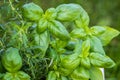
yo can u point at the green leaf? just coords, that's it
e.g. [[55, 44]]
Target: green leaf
[[95, 74], [42, 41], [83, 20], [32, 11], [9, 76], [108, 35], [78, 33], [58, 30], [64, 78], [64, 71], [80, 73], [11, 60], [96, 45], [100, 60], [86, 62], [42, 26], [85, 48], [16, 76], [97, 30], [22, 75], [70, 61], [52, 54], [50, 14], [68, 12], [51, 75], [78, 47]]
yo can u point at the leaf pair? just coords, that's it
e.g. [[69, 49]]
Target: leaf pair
[[12, 62], [16, 76], [82, 73]]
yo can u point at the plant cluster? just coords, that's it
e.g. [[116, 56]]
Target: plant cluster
[[73, 52]]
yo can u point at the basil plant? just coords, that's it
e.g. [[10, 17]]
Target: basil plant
[[75, 52]]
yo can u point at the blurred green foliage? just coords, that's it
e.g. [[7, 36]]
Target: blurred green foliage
[[102, 12]]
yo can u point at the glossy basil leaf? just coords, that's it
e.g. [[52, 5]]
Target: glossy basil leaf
[[64, 71], [50, 14], [95, 74], [16, 76], [85, 48], [42, 41], [42, 26], [100, 60], [83, 20], [32, 11], [58, 30], [51, 75], [108, 35], [68, 12], [78, 33], [70, 61], [97, 30], [11, 60], [96, 45], [80, 73], [86, 62]]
